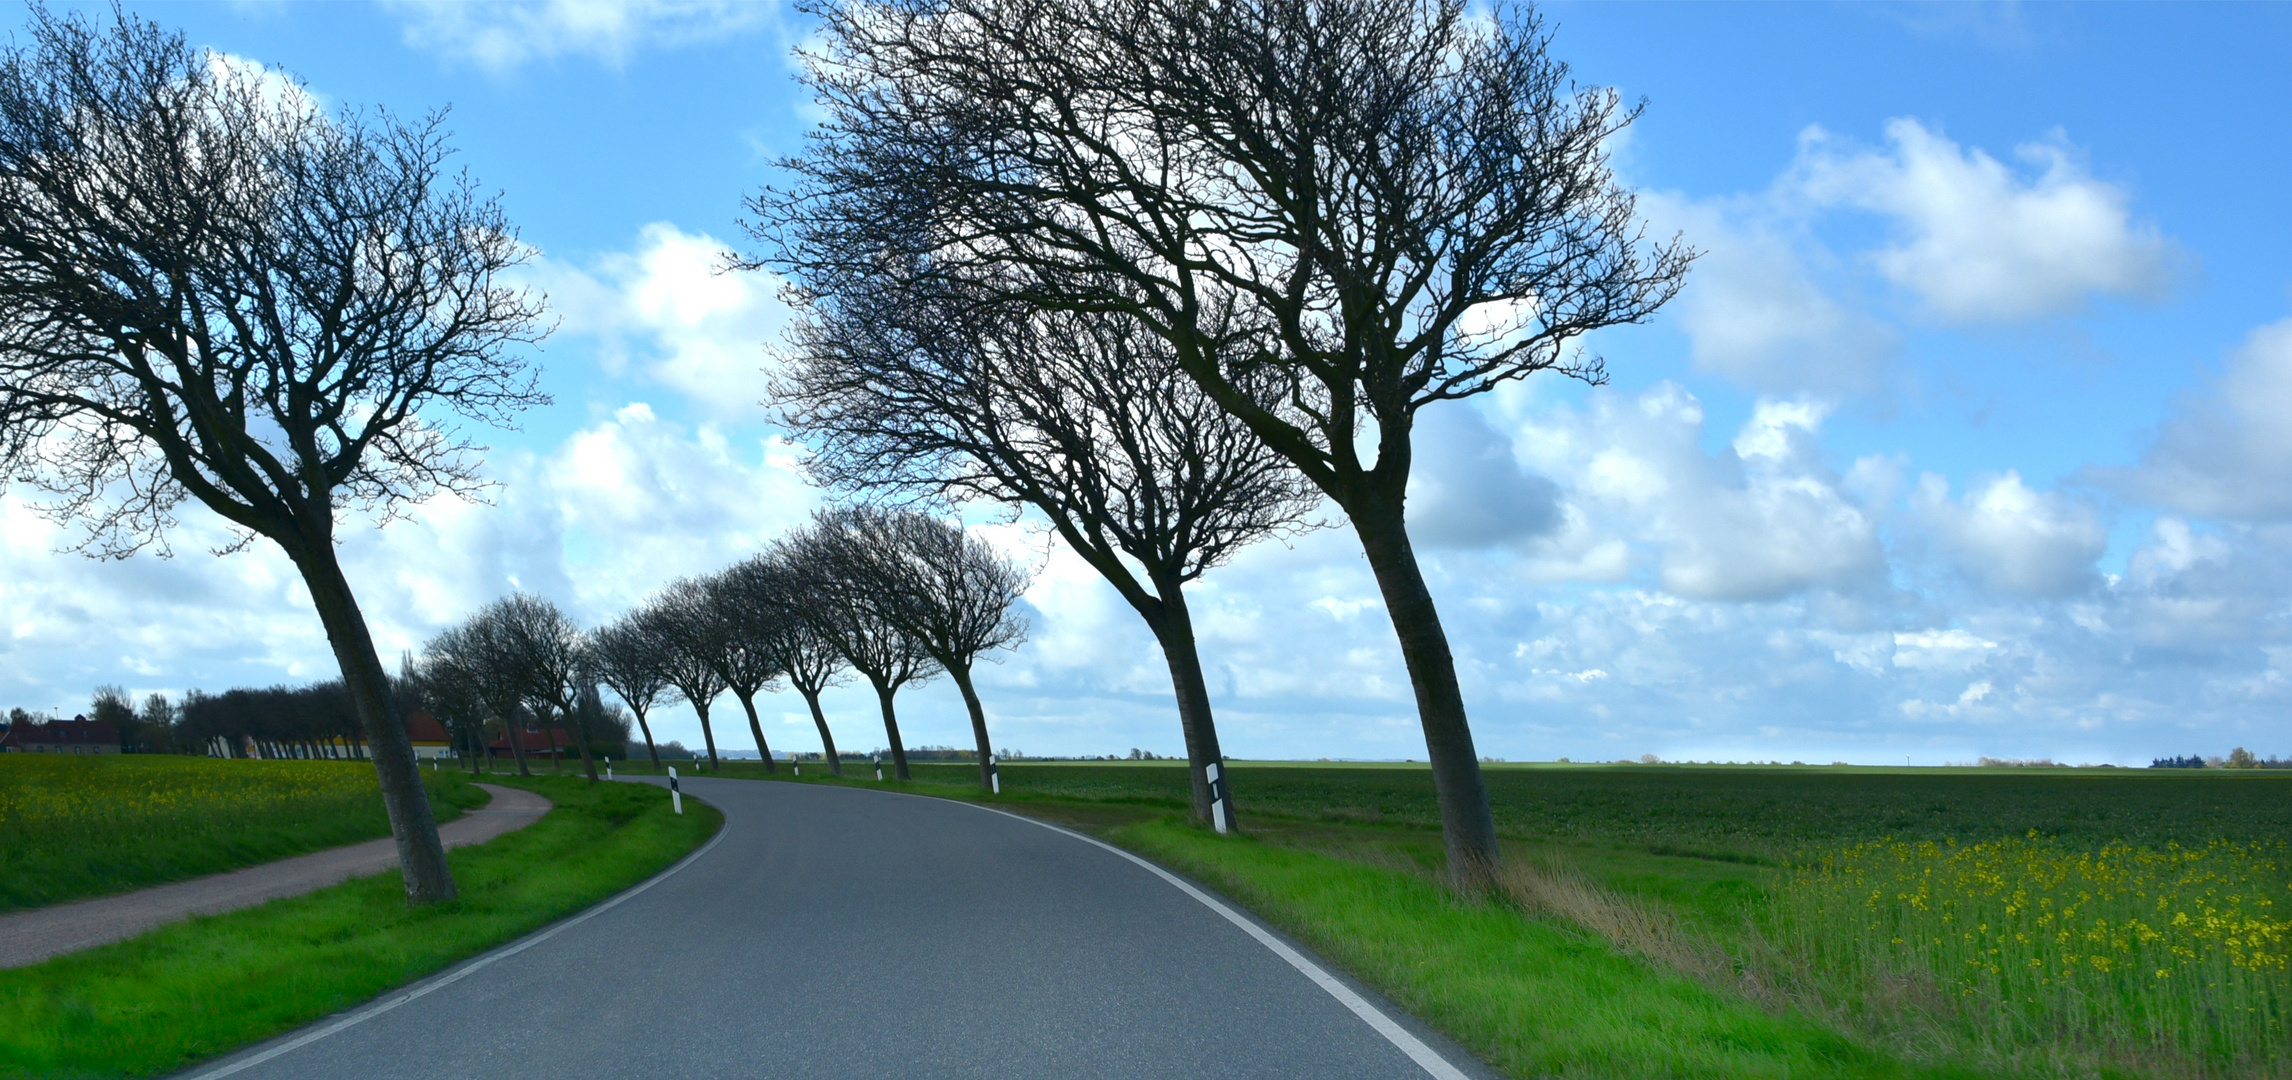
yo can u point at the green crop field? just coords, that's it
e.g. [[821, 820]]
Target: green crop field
[[1761, 921], [74, 827], [1724, 811]]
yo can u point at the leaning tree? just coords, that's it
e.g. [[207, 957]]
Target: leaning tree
[[845, 599], [1410, 202], [482, 659], [549, 662], [800, 648], [737, 602], [941, 587], [1086, 417], [212, 290], [688, 645], [629, 656]]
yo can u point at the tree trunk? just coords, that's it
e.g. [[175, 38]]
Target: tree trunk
[[1173, 627], [514, 733], [707, 734], [1467, 828], [581, 738], [421, 856], [756, 728], [648, 730], [961, 673], [820, 720], [883, 694]]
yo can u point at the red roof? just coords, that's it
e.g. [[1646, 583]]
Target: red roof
[[77, 731], [424, 728], [535, 741]]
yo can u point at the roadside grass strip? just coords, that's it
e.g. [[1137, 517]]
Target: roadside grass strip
[[193, 990], [73, 827], [1533, 997]]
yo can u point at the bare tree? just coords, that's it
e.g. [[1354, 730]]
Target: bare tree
[[548, 659], [802, 651], [738, 604], [212, 290], [688, 645], [628, 658], [943, 588], [1084, 416], [1409, 200], [848, 611], [457, 702], [483, 659]]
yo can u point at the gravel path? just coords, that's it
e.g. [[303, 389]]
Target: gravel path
[[28, 937]]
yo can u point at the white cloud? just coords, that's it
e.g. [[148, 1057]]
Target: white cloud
[[1979, 242], [1759, 521], [1944, 650], [2225, 452], [618, 509], [2014, 539], [671, 310], [504, 35], [1753, 310]]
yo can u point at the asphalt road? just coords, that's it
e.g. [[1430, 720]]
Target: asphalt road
[[840, 932]]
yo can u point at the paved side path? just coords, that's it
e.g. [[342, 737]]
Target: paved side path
[[28, 937], [845, 932]]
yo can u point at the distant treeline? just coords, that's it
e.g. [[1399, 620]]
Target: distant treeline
[[2239, 758], [313, 721]]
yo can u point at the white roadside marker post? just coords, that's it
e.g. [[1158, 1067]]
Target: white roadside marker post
[[608, 768], [994, 775], [676, 798], [1217, 796], [879, 766]]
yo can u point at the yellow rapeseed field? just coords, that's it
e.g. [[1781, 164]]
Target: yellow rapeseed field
[[83, 825], [2180, 950], [44, 792]]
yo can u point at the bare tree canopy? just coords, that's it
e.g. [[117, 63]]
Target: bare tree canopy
[[687, 631], [630, 658], [739, 604], [210, 289], [548, 660], [1409, 202], [801, 648], [847, 602], [1084, 416], [942, 588]]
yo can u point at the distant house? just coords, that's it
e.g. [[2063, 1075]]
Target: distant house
[[534, 740], [429, 736], [78, 735]]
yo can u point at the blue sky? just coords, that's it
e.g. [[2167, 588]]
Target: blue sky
[[1968, 437]]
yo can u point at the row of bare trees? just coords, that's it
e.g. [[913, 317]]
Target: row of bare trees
[[898, 596], [1169, 270], [1164, 270]]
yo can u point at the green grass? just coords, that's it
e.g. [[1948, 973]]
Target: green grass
[[1755, 814], [1532, 997], [1669, 875], [196, 989], [73, 827]]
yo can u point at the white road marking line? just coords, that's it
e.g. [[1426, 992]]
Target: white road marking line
[[471, 968], [1425, 1057]]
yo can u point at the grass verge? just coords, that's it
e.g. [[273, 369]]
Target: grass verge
[[196, 989], [1532, 996], [73, 827]]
